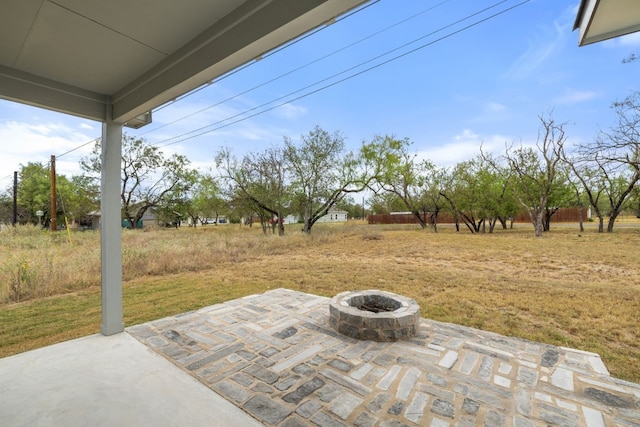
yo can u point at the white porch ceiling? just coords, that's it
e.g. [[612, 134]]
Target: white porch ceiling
[[600, 20], [122, 58]]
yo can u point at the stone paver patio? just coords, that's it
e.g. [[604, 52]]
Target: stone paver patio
[[275, 356]]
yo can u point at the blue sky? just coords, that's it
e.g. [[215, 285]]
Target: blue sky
[[486, 84]]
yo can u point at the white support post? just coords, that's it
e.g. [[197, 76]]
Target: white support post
[[111, 229]]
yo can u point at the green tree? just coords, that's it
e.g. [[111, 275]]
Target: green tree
[[207, 200], [149, 178], [384, 202], [78, 197], [562, 195], [403, 175], [479, 194], [504, 205], [75, 198], [6, 208], [34, 191], [322, 173], [258, 182]]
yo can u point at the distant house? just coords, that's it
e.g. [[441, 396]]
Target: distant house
[[220, 219], [290, 219], [334, 215], [93, 221]]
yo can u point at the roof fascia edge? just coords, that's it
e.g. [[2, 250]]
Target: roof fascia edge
[[586, 13], [610, 35], [26, 88], [194, 46], [224, 46], [220, 41]]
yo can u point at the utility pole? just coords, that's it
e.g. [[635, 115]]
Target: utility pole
[[54, 209], [15, 198]]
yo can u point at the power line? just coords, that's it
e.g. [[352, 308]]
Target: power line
[[77, 148], [264, 56], [273, 52], [295, 70], [187, 135]]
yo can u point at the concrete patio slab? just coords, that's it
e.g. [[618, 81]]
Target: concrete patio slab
[[106, 381]]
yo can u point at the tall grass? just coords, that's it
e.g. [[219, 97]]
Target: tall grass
[[580, 290], [35, 263]]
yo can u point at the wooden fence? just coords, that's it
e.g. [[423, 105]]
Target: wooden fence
[[561, 215]]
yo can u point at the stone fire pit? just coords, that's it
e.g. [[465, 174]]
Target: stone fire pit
[[374, 315]]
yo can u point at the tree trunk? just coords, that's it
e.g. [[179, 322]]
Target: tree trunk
[[539, 222], [503, 222], [434, 221], [600, 224], [280, 226], [307, 226], [580, 218], [612, 220], [421, 220], [548, 213]]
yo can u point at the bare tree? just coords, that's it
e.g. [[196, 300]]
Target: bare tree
[[536, 171], [609, 167], [588, 176]]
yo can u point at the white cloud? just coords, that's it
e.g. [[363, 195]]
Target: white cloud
[[491, 112], [495, 107], [290, 111], [535, 55], [464, 146], [544, 46], [572, 96], [630, 40], [27, 142]]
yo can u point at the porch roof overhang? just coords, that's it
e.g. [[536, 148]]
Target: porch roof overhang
[[119, 59], [600, 20], [115, 61]]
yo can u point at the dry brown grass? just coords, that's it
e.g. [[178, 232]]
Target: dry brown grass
[[574, 290]]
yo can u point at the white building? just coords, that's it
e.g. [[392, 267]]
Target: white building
[[334, 215]]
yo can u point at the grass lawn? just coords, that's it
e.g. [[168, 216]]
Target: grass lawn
[[580, 290]]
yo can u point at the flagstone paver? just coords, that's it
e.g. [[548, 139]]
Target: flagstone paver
[[275, 356]]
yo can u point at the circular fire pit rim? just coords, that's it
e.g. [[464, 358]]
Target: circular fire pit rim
[[345, 302], [351, 321]]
